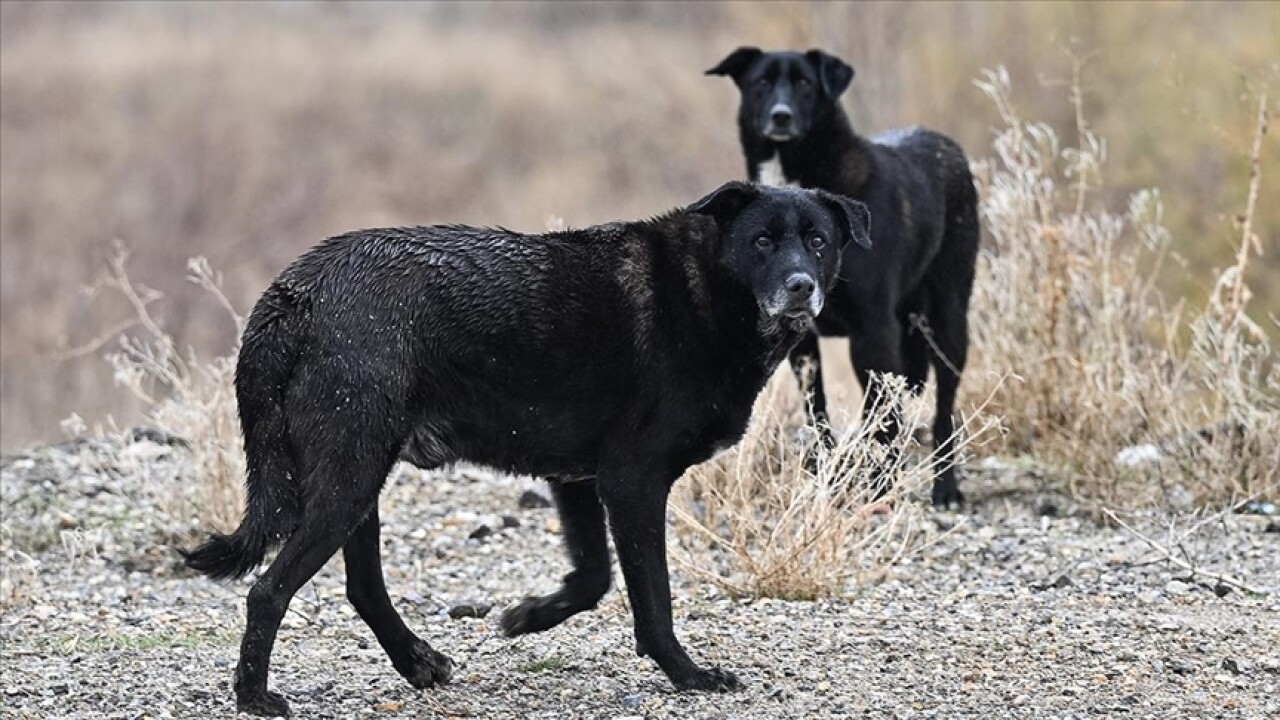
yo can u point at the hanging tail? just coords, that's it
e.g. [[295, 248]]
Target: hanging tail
[[263, 370]]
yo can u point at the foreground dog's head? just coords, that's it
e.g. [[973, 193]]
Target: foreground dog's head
[[784, 243], [784, 93]]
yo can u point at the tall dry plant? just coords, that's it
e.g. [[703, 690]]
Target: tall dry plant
[[188, 397], [764, 520], [1115, 391]]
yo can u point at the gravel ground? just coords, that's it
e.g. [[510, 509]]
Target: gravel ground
[[1025, 609]]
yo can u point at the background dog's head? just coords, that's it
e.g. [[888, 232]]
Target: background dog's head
[[784, 93], [784, 243]]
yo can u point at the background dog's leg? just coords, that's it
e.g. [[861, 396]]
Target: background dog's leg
[[637, 516], [951, 337], [806, 363], [586, 542], [412, 657], [950, 284], [878, 351]]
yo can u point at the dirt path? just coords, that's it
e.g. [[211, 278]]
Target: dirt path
[[1010, 615]]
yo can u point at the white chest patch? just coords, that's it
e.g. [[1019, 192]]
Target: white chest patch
[[770, 173]]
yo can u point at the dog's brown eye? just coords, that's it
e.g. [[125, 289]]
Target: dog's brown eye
[[763, 242], [817, 242], [803, 84]]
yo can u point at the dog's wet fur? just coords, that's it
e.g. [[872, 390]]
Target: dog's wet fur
[[608, 359], [904, 305]]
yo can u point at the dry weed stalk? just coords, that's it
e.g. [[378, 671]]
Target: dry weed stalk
[[187, 397], [1103, 364]]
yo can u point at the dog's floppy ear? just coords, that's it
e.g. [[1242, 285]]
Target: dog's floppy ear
[[737, 62], [854, 217], [834, 73], [725, 202]]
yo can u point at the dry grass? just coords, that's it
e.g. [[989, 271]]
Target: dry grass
[[1117, 392], [187, 397], [777, 526]]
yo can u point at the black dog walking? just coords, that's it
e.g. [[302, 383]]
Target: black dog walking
[[610, 358], [905, 303]]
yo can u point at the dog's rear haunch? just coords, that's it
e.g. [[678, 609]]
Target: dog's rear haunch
[[608, 359]]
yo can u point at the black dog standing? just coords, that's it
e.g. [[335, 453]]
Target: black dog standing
[[905, 303], [612, 358]]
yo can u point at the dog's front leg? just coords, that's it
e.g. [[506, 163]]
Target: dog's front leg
[[637, 517]]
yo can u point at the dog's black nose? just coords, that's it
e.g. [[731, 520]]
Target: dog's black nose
[[800, 287], [781, 117]]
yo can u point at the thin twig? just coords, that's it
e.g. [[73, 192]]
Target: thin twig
[[1169, 555]]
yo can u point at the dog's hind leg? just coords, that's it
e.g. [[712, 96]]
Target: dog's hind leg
[[412, 657], [586, 541], [950, 286], [344, 486]]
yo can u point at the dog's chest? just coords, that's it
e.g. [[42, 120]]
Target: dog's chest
[[770, 172]]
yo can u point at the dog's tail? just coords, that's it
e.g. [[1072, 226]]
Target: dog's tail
[[265, 366]]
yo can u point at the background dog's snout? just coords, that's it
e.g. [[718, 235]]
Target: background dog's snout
[[781, 116], [800, 287]]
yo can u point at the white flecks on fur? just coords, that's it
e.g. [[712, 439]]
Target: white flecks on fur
[[896, 136], [770, 173]]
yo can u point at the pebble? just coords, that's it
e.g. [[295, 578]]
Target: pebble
[[531, 500], [470, 610]]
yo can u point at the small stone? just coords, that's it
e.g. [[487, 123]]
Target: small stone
[[66, 521], [530, 500], [1273, 527], [632, 702], [480, 533], [391, 706], [510, 521], [469, 610], [1047, 509], [1221, 590], [1231, 666], [1021, 700], [1177, 587]]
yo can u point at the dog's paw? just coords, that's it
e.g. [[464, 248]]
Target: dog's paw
[[426, 668], [536, 614], [708, 680], [947, 494], [263, 704]]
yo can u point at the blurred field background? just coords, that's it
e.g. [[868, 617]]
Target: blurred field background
[[247, 132]]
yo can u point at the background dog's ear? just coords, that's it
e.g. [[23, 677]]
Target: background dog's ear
[[854, 217], [725, 202], [737, 62], [835, 73]]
